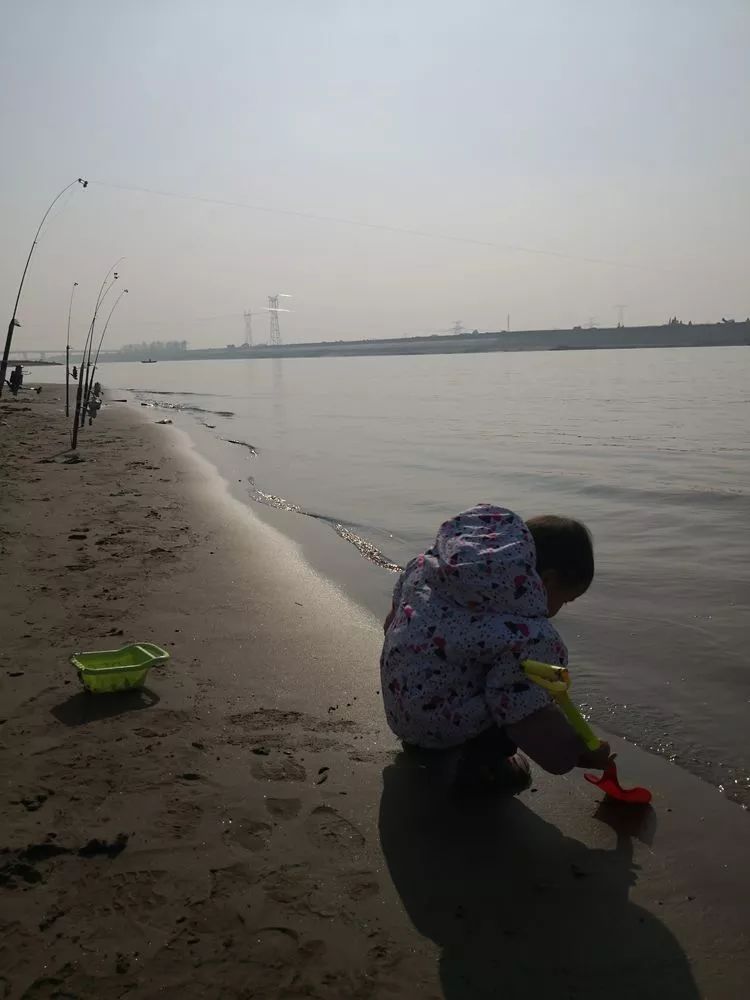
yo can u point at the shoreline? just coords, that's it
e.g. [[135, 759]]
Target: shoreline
[[597, 632], [277, 844], [369, 583]]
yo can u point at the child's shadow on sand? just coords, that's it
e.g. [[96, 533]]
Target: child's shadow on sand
[[517, 909]]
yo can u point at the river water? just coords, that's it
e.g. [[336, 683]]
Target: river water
[[650, 448]]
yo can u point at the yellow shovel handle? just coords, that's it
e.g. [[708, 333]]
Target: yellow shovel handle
[[556, 680], [552, 679], [577, 721]]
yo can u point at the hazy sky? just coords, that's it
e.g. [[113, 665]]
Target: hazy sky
[[584, 127]]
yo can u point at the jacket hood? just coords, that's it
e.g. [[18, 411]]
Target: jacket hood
[[484, 560]]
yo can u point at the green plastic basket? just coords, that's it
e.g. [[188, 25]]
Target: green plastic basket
[[107, 670]]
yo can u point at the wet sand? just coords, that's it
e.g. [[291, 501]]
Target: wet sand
[[245, 826]]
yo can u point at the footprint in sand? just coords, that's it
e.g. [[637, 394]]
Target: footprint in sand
[[273, 953], [327, 828], [250, 833], [279, 769], [138, 890], [283, 808], [360, 884], [181, 820], [265, 718], [274, 941], [129, 895], [232, 881]]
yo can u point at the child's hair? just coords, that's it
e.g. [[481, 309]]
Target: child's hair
[[563, 545]]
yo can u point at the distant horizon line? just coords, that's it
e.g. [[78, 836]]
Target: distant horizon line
[[680, 324]]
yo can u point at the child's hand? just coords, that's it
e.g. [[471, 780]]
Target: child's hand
[[598, 759]]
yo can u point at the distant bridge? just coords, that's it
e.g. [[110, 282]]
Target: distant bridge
[[49, 354]]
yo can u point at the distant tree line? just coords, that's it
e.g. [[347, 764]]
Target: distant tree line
[[673, 321], [154, 349]]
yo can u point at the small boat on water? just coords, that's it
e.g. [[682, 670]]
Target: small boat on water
[[150, 361]]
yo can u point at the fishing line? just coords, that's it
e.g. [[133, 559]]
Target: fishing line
[[381, 227]]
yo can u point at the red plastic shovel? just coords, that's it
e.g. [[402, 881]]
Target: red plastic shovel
[[610, 785], [556, 680]]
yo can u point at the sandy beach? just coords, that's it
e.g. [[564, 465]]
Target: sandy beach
[[246, 827]]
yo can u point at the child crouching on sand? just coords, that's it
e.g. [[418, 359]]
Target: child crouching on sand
[[465, 614]]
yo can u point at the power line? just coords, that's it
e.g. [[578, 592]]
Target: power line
[[315, 217], [186, 321]]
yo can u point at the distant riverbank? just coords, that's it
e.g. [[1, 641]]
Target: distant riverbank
[[728, 334]]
